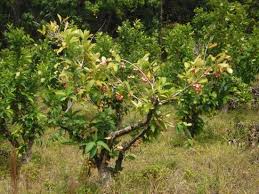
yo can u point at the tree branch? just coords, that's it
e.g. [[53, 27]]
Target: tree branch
[[7, 134], [126, 146], [172, 98], [138, 125], [70, 132]]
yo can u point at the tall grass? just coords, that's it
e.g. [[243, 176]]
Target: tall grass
[[170, 164]]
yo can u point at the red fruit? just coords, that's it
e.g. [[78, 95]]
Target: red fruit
[[65, 85], [104, 88], [197, 87], [217, 74], [119, 97], [193, 70]]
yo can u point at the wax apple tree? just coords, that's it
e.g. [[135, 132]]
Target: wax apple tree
[[111, 88]]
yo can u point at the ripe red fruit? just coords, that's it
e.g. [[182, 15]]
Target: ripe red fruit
[[197, 87], [65, 85], [217, 74], [119, 97]]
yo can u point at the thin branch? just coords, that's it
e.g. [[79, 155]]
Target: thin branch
[[98, 30], [146, 78], [69, 106], [126, 130], [180, 92]]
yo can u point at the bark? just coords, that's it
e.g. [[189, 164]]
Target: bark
[[138, 125], [17, 11], [80, 5], [7, 134], [26, 157], [126, 130], [105, 172], [14, 172], [118, 164]]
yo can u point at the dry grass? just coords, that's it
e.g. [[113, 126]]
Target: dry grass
[[207, 164]]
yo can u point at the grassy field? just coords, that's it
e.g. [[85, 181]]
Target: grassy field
[[217, 161]]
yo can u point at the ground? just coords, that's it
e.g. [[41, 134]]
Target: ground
[[211, 163]]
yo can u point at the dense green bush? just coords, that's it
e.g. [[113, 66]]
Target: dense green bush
[[179, 45], [135, 42], [227, 25]]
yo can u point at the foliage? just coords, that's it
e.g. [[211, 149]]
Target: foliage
[[104, 44], [102, 84], [89, 84], [20, 116], [101, 15], [227, 25], [179, 46], [204, 99], [135, 42]]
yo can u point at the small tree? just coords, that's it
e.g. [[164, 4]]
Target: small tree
[[204, 99], [20, 116], [110, 89]]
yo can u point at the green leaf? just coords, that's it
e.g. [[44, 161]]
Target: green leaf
[[60, 93], [223, 65], [186, 65], [93, 152], [203, 81], [90, 85], [103, 145], [89, 146]]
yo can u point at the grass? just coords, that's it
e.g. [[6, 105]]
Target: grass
[[171, 164]]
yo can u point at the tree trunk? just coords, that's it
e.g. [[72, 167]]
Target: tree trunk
[[80, 6], [118, 164], [26, 157], [7, 134], [14, 172], [105, 174], [17, 11]]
